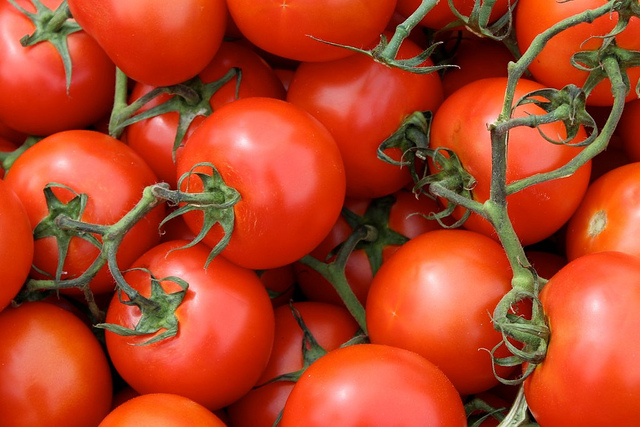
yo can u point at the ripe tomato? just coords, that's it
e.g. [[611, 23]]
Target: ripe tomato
[[590, 375], [460, 124], [113, 177], [552, 67], [16, 245], [159, 44], [288, 171], [225, 328], [339, 94], [284, 28], [370, 384], [34, 98], [435, 296], [606, 218], [161, 409], [441, 14], [53, 369], [330, 325]]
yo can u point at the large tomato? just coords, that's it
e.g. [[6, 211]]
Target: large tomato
[[288, 171], [371, 384], [552, 67], [155, 43], [53, 369], [362, 103], [435, 296], [285, 28], [34, 97], [460, 124], [113, 177], [590, 376], [225, 328]]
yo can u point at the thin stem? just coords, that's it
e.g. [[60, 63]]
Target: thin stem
[[404, 29]]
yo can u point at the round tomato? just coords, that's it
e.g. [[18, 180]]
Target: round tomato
[[339, 94], [330, 325], [441, 15], [161, 409], [54, 371], [34, 97], [590, 376], [552, 66], [370, 384], [460, 124], [113, 177], [225, 328], [288, 171], [606, 220], [16, 245], [160, 44], [286, 28], [435, 296]]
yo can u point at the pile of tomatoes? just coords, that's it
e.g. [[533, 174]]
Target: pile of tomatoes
[[249, 213]]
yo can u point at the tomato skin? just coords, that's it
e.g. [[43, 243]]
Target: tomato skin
[[157, 44], [287, 169], [537, 211], [339, 94], [53, 369], [606, 218], [226, 317], [441, 14], [590, 375], [370, 384], [34, 97], [435, 296], [629, 130], [161, 409], [110, 173], [284, 28], [552, 67]]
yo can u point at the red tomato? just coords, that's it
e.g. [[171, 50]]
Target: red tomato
[[16, 245], [284, 28], [330, 325], [11, 135], [552, 67], [371, 384], [606, 220], [435, 296], [155, 43], [629, 130], [339, 94], [441, 14], [34, 98], [161, 409], [53, 369], [225, 333], [110, 173], [536, 212], [590, 376], [288, 171]]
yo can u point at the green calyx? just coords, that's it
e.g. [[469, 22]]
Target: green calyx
[[53, 26]]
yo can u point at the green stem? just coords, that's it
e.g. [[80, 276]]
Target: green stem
[[404, 29]]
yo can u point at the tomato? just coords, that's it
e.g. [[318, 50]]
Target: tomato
[[34, 98], [225, 328], [280, 283], [11, 135], [157, 44], [369, 384], [460, 124], [113, 177], [288, 171], [161, 409], [629, 130], [590, 375], [330, 325], [606, 218], [16, 245], [552, 67], [441, 14], [404, 216], [435, 296], [53, 369], [339, 94], [284, 28]]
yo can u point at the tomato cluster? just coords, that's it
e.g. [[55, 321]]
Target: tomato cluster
[[393, 212]]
